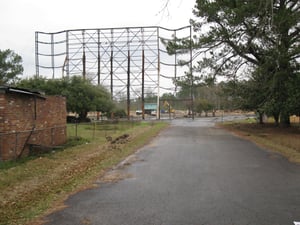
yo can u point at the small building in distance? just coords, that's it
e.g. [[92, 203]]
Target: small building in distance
[[150, 108], [29, 119]]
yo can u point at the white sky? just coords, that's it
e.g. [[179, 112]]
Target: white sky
[[19, 19]]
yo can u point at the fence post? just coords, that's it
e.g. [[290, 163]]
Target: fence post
[[94, 130], [76, 129]]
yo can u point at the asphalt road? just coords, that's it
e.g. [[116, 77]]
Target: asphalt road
[[192, 174]]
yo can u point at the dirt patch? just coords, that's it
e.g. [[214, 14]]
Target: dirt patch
[[114, 176], [119, 172]]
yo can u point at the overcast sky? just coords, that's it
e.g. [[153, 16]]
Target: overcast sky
[[19, 19]]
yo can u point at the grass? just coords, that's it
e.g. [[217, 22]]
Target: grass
[[285, 141], [32, 188]]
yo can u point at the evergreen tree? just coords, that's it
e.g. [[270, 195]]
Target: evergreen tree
[[261, 34]]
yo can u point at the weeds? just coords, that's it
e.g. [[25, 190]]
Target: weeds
[[29, 189]]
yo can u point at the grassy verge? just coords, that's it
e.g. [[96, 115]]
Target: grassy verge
[[285, 141], [30, 188]]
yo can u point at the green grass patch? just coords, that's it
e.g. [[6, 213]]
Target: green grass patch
[[30, 189], [13, 163]]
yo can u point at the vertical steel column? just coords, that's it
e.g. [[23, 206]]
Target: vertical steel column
[[158, 76], [191, 71], [52, 56], [67, 54], [37, 54], [128, 76], [98, 59], [175, 63], [83, 56], [111, 63], [143, 84], [143, 75]]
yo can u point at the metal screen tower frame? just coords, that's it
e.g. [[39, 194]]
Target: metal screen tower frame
[[130, 62]]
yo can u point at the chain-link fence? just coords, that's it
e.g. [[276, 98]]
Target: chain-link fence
[[100, 129]]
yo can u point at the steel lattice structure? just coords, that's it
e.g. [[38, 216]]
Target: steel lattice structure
[[130, 62]]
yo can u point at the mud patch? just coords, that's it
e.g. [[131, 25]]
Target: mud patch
[[118, 172], [114, 176]]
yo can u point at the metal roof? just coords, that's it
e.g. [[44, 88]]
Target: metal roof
[[7, 89]]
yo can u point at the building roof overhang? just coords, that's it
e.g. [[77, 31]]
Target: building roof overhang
[[23, 91]]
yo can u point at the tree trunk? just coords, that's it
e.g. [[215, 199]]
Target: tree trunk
[[214, 113], [260, 117], [276, 118], [82, 116], [285, 119]]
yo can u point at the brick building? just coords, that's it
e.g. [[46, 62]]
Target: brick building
[[29, 119]]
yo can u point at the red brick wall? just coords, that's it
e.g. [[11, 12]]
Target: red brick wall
[[26, 120]]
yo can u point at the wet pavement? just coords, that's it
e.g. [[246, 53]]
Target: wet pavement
[[192, 174]]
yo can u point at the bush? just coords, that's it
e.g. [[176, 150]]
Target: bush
[[120, 113], [116, 113]]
